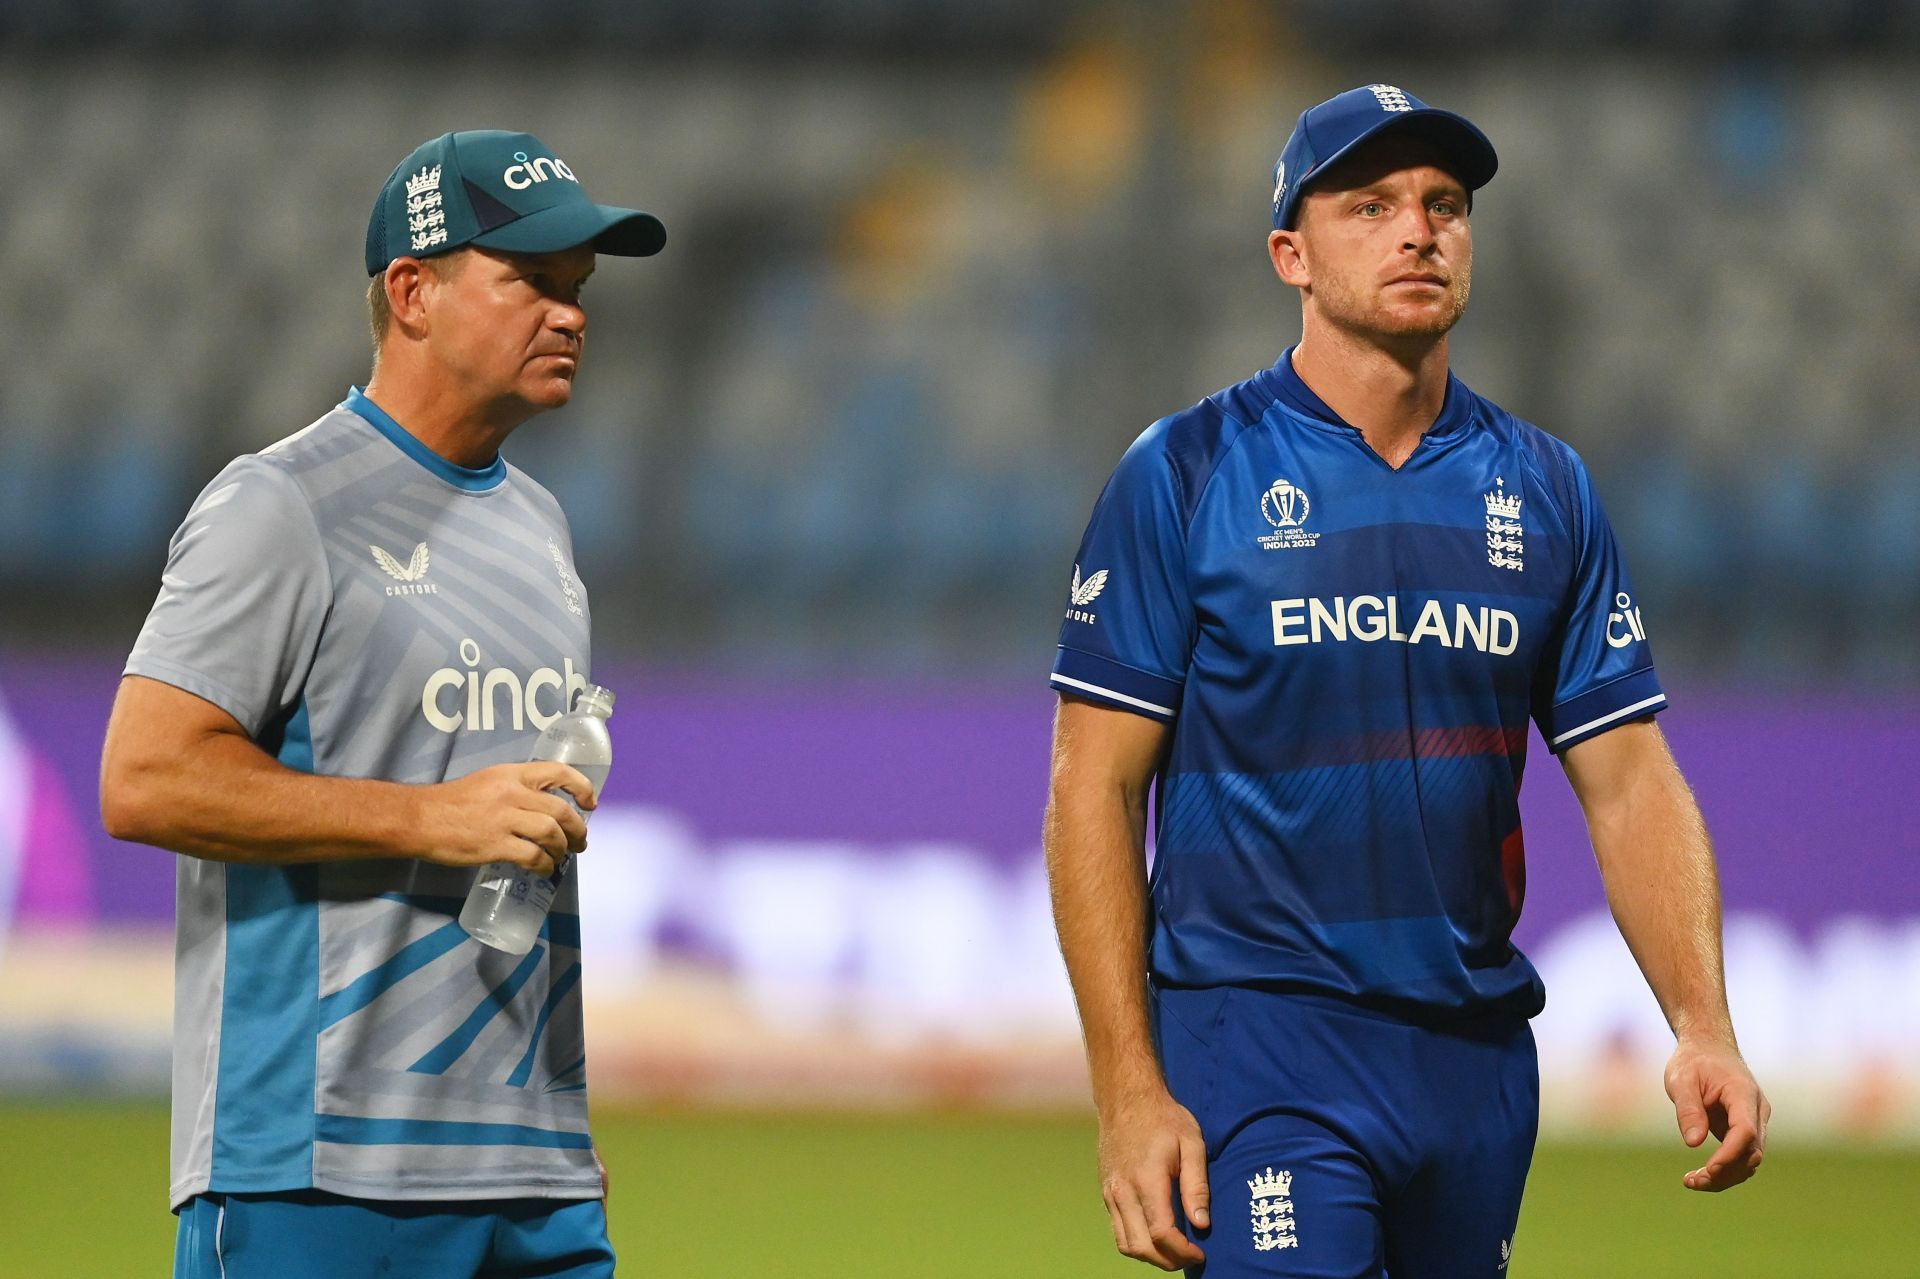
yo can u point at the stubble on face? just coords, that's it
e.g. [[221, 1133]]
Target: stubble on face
[[1356, 302], [514, 327], [1354, 263]]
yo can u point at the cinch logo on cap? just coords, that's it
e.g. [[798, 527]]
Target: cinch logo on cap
[[538, 169]]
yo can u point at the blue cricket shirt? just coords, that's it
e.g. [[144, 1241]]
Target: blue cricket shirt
[[1349, 655]]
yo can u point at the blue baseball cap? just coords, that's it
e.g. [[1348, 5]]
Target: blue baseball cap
[[498, 190], [1329, 132]]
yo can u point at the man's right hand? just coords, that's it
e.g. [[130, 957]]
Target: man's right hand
[[1147, 1144], [506, 814]]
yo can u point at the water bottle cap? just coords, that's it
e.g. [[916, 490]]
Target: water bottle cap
[[596, 700]]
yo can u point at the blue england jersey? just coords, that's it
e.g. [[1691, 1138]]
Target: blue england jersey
[[1349, 654]]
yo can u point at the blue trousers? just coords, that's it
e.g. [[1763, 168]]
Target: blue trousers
[[309, 1234], [1344, 1143]]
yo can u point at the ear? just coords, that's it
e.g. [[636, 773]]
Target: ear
[[1289, 256], [407, 283]]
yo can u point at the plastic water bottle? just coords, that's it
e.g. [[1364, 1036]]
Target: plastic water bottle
[[508, 903]]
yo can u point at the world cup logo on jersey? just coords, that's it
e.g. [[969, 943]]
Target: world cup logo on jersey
[[1286, 507]]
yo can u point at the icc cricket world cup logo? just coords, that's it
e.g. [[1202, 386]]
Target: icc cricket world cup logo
[[1285, 506]]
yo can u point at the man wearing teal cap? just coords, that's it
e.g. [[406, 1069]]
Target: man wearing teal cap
[[359, 632]]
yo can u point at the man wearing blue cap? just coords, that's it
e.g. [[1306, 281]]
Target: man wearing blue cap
[[359, 632], [1314, 614]]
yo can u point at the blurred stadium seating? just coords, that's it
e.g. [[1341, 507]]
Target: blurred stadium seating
[[926, 281]]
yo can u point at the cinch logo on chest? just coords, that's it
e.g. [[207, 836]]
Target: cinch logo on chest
[[480, 712], [1369, 619]]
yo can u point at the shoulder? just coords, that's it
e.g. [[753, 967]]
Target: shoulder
[[1513, 429], [254, 518], [1184, 450], [1553, 459], [282, 472], [537, 496], [269, 489], [334, 433], [255, 485]]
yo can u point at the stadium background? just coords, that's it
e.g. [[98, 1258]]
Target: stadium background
[[931, 265]]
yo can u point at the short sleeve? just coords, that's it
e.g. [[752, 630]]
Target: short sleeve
[[242, 599], [1598, 673], [1128, 630]]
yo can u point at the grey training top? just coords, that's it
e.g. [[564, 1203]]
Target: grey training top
[[365, 608]]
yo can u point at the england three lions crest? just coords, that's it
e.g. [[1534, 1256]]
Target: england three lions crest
[[426, 214], [1506, 536], [1272, 1211]]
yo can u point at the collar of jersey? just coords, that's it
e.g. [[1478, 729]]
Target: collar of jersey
[[474, 480], [1290, 390]]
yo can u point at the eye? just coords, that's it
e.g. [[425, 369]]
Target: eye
[[1372, 209], [1444, 208]]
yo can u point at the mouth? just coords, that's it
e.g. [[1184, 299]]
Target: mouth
[[1418, 278]]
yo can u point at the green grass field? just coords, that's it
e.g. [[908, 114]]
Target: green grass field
[[83, 1188]]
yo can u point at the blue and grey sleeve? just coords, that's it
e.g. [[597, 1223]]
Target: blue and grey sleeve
[[1602, 674], [242, 598], [1127, 635]]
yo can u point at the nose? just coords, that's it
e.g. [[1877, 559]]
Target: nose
[[1418, 231], [569, 318]]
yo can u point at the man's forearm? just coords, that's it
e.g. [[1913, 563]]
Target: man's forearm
[[1662, 883], [226, 799], [1097, 867]]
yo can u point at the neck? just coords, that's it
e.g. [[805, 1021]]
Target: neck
[[463, 430], [1392, 390]]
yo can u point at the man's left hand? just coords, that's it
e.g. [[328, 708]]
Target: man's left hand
[[1712, 1090]]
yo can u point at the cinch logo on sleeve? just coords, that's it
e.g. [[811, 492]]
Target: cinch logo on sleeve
[[540, 699], [1624, 626], [539, 169], [1369, 618]]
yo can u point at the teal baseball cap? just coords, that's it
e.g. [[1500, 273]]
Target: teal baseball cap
[[498, 190]]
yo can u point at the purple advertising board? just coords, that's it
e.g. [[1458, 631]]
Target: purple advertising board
[[831, 888], [1812, 800]]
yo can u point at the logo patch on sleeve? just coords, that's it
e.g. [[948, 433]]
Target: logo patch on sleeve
[[1084, 592]]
